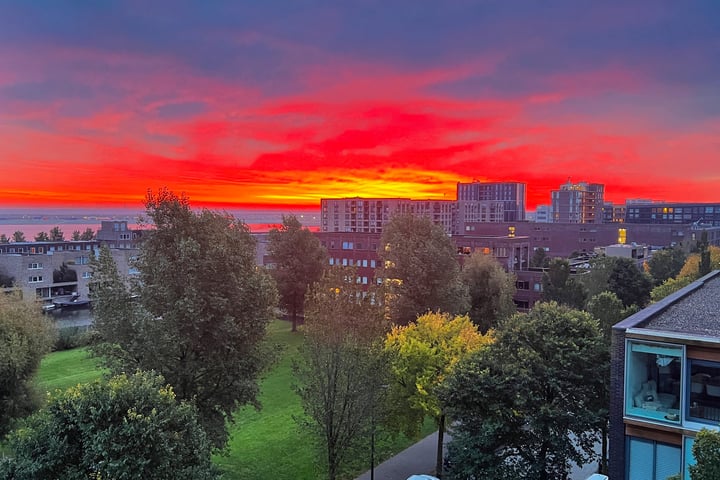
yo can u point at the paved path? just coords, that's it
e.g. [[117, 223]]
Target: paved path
[[420, 458]]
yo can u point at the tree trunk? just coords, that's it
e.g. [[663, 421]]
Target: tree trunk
[[439, 461], [294, 319], [604, 453]]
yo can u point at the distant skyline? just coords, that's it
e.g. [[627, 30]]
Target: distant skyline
[[277, 104]]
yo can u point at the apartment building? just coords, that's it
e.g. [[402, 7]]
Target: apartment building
[[665, 382], [665, 213], [578, 203]]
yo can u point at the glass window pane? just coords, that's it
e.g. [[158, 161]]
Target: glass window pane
[[640, 459], [652, 388], [689, 459], [667, 461], [704, 391]]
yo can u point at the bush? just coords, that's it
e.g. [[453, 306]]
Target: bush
[[72, 337]]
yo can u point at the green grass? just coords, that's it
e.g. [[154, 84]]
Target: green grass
[[264, 444], [67, 368]]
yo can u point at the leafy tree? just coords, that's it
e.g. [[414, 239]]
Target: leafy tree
[[64, 274], [595, 278], [491, 290], [629, 283], [420, 268], [560, 287], [25, 336], [423, 354], [56, 235], [671, 285], [6, 280], [691, 268], [88, 234], [128, 427], [75, 235], [341, 370], [201, 312], [42, 237], [706, 451], [517, 402], [540, 258], [4, 239], [18, 236], [298, 260], [665, 264]]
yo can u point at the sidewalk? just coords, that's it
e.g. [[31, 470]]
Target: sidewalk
[[420, 458]]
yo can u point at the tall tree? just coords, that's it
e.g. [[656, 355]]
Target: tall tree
[[423, 353], [420, 269], [298, 261], [56, 235], [491, 290], [341, 370], [539, 258], [42, 237], [704, 267], [518, 403], [75, 235], [18, 236], [560, 287], [595, 277], [665, 264], [88, 234], [25, 336], [128, 427], [629, 283], [4, 239], [706, 451], [201, 312]]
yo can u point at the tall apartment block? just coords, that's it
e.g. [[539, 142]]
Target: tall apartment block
[[492, 202], [369, 215], [578, 203]]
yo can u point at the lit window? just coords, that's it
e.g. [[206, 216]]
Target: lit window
[[652, 384]]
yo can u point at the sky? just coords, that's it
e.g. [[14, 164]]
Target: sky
[[276, 104]]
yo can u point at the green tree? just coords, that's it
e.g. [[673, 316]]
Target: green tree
[[341, 370], [128, 427], [420, 269], [200, 314], [6, 280], [539, 258], [298, 261], [422, 355], [595, 277], [4, 239], [629, 283], [671, 285], [665, 264], [706, 451], [25, 336], [64, 274], [18, 236], [75, 235], [56, 235], [491, 290], [518, 403], [704, 267], [560, 287], [42, 237], [88, 234]]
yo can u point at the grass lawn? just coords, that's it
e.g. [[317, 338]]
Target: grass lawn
[[264, 444]]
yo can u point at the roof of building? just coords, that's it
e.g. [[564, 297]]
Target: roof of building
[[693, 310]]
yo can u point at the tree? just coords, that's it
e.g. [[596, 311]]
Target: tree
[[691, 268], [704, 266], [88, 234], [665, 264], [6, 280], [42, 237], [671, 285], [560, 287], [25, 336], [18, 236], [629, 283], [491, 290], [341, 370], [423, 354], [595, 277], [706, 450], [64, 274], [200, 314], [56, 235], [75, 236], [128, 427], [298, 261], [540, 258], [420, 269], [4, 239], [524, 407]]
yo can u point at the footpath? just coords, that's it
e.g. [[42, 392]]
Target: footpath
[[420, 458]]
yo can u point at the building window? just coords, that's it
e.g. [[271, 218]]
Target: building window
[[344, 262], [372, 263], [87, 275], [652, 388], [648, 459], [82, 260], [35, 279], [332, 261], [35, 266], [347, 245], [704, 388]]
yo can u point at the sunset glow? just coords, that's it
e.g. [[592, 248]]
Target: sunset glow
[[282, 104]]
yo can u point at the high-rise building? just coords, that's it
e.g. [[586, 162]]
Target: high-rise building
[[578, 203], [489, 202]]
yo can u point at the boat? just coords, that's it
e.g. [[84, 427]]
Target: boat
[[73, 304]]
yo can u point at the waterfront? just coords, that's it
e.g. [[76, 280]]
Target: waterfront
[[71, 318]]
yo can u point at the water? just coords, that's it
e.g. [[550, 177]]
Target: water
[[71, 318]]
